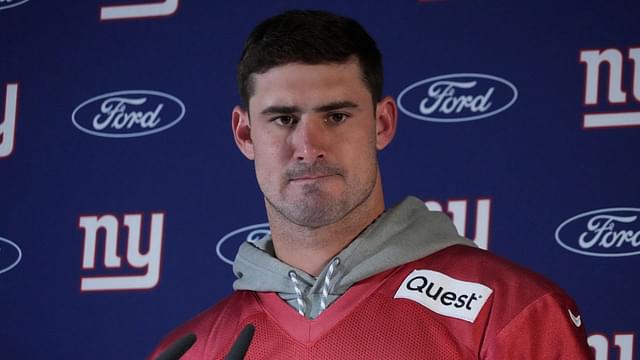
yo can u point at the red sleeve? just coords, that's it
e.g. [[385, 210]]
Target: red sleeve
[[548, 328]]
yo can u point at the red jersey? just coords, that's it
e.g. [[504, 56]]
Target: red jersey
[[458, 303]]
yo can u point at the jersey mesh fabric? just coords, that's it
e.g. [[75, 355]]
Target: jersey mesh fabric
[[377, 329], [368, 323]]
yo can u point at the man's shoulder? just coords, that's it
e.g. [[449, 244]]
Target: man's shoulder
[[220, 319], [504, 290], [521, 303], [473, 264], [510, 284]]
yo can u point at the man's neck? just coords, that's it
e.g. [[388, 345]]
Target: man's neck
[[310, 249]]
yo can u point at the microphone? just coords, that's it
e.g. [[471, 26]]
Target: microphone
[[242, 343], [178, 348]]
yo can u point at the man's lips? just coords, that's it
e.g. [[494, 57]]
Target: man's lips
[[308, 173], [308, 178]]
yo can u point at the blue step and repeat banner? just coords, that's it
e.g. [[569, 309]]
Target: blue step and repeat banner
[[123, 196]]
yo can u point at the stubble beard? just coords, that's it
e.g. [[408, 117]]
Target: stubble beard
[[317, 208]]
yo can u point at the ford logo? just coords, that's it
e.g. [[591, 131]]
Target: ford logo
[[129, 113], [457, 97], [228, 245], [605, 232], [10, 255], [10, 4]]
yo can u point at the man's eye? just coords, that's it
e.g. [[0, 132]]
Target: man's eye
[[337, 118], [285, 120]]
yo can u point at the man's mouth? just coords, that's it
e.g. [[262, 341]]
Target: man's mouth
[[310, 178], [303, 173]]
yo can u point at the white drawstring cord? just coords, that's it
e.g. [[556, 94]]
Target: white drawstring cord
[[327, 282], [296, 285]]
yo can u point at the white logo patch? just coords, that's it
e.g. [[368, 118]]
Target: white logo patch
[[444, 295], [577, 321]]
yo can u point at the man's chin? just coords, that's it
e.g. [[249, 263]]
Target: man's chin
[[313, 220], [311, 210], [313, 195]]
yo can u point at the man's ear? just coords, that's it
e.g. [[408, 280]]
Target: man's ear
[[386, 121], [241, 128]]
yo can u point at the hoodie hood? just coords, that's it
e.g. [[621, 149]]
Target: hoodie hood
[[404, 233]]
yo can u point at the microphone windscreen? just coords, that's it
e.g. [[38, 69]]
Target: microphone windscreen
[[241, 345], [178, 348]]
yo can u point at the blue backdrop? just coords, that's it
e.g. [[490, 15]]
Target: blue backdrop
[[122, 192]]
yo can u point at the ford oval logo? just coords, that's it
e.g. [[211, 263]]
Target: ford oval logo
[[605, 232], [129, 113], [228, 245], [457, 97], [10, 4], [10, 255]]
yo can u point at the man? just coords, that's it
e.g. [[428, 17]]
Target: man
[[340, 276]]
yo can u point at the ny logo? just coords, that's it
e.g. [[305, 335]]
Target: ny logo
[[8, 125], [138, 11], [148, 262], [457, 209], [616, 94], [601, 346]]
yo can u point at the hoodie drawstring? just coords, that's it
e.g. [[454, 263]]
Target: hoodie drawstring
[[324, 294], [296, 285], [327, 283]]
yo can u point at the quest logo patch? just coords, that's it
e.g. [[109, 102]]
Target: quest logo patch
[[10, 255], [457, 97], [606, 232], [129, 113], [227, 246], [445, 295], [7, 4]]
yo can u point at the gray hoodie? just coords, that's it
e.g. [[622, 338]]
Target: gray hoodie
[[404, 233]]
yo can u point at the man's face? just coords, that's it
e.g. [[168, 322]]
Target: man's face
[[312, 131]]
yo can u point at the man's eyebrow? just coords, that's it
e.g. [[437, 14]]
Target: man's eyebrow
[[283, 109], [335, 105], [280, 109]]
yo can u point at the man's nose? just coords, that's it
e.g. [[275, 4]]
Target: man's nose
[[308, 139]]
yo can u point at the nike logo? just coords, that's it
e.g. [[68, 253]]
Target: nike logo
[[577, 321]]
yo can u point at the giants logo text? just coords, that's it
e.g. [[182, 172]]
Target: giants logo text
[[458, 211], [617, 97], [8, 125], [139, 11], [602, 345], [148, 262]]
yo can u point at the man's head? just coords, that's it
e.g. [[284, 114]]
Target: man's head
[[309, 122], [308, 37]]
